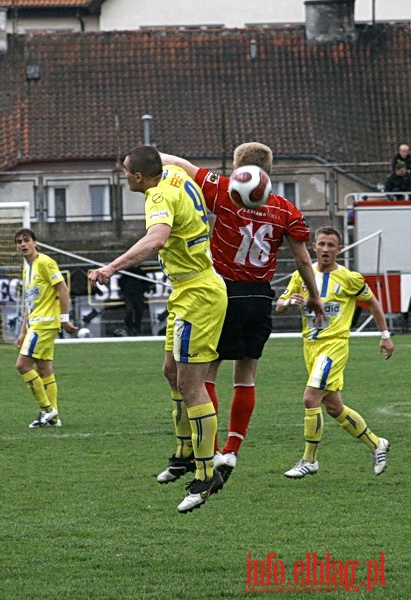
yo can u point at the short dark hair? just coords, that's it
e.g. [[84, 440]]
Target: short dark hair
[[329, 230], [25, 232], [145, 160]]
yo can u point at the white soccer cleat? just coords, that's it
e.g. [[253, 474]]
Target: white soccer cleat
[[218, 459], [177, 468], [225, 464], [43, 419], [302, 468], [56, 423], [380, 456], [199, 491]]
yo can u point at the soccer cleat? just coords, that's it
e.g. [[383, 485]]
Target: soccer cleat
[[301, 469], [198, 491], [54, 423], [380, 456], [177, 468], [43, 419], [225, 464]]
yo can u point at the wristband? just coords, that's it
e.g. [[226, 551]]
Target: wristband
[[287, 302], [64, 318], [385, 335]]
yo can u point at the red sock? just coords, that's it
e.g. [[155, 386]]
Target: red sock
[[242, 407], [210, 387]]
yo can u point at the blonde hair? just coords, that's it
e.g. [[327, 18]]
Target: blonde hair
[[253, 153]]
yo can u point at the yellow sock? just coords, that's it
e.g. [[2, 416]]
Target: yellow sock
[[34, 383], [354, 424], [203, 420], [50, 387], [313, 431], [181, 426]]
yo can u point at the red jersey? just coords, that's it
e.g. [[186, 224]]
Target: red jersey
[[245, 241]]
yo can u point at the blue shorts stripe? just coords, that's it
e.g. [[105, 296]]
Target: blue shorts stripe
[[185, 342], [33, 343], [326, 372]]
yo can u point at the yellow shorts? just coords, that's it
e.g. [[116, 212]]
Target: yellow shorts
[[39, 343], [196, 311], [325, 361]]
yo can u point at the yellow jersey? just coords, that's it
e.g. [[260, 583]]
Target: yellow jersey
[[339, 292], [179, 202], [41, 299]]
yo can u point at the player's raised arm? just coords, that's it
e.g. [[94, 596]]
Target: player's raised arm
[[148, 245], [170, 159]]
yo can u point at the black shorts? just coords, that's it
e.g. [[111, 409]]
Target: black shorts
[[247, 324]]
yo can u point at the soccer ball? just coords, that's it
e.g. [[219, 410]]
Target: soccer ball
[[249, 186], [84, 333]]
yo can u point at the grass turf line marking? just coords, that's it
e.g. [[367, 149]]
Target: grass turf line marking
[[391, 409]]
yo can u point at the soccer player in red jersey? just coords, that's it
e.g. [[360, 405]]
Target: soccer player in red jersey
[[244, 246]]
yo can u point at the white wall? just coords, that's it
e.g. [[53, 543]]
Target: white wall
[[33, 24], [130, 14]]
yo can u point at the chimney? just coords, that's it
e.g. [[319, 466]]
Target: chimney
[[3, 31], [329, 21]]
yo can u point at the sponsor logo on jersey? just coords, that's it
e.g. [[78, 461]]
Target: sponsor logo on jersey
[[199, 240], [160, 214], [332, 309]]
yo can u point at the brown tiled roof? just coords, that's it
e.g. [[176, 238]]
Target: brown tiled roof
[[344, 102]]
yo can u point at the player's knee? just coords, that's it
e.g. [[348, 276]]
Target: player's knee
[[312, 397], [21, 365]]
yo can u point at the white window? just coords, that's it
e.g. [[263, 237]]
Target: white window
[[287, 190], [56, 204], [99, 202]]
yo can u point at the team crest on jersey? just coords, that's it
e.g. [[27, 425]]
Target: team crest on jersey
[[157, 197], [212, 178]]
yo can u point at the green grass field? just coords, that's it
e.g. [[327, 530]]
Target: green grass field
[[83, 517]]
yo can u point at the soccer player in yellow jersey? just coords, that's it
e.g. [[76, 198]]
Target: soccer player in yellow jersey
[[47, 301], [326, 349], [177, 228]]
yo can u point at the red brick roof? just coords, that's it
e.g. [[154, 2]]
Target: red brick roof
[[344, 102]]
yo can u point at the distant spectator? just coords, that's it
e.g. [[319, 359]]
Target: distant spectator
[[133, 290], [402, 155], [398, 181]]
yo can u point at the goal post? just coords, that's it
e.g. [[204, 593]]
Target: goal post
[[13, 216]]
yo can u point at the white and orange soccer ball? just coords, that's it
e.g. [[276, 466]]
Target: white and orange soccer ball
[[249, 186]]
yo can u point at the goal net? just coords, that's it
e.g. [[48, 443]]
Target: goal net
[[13, 216]]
